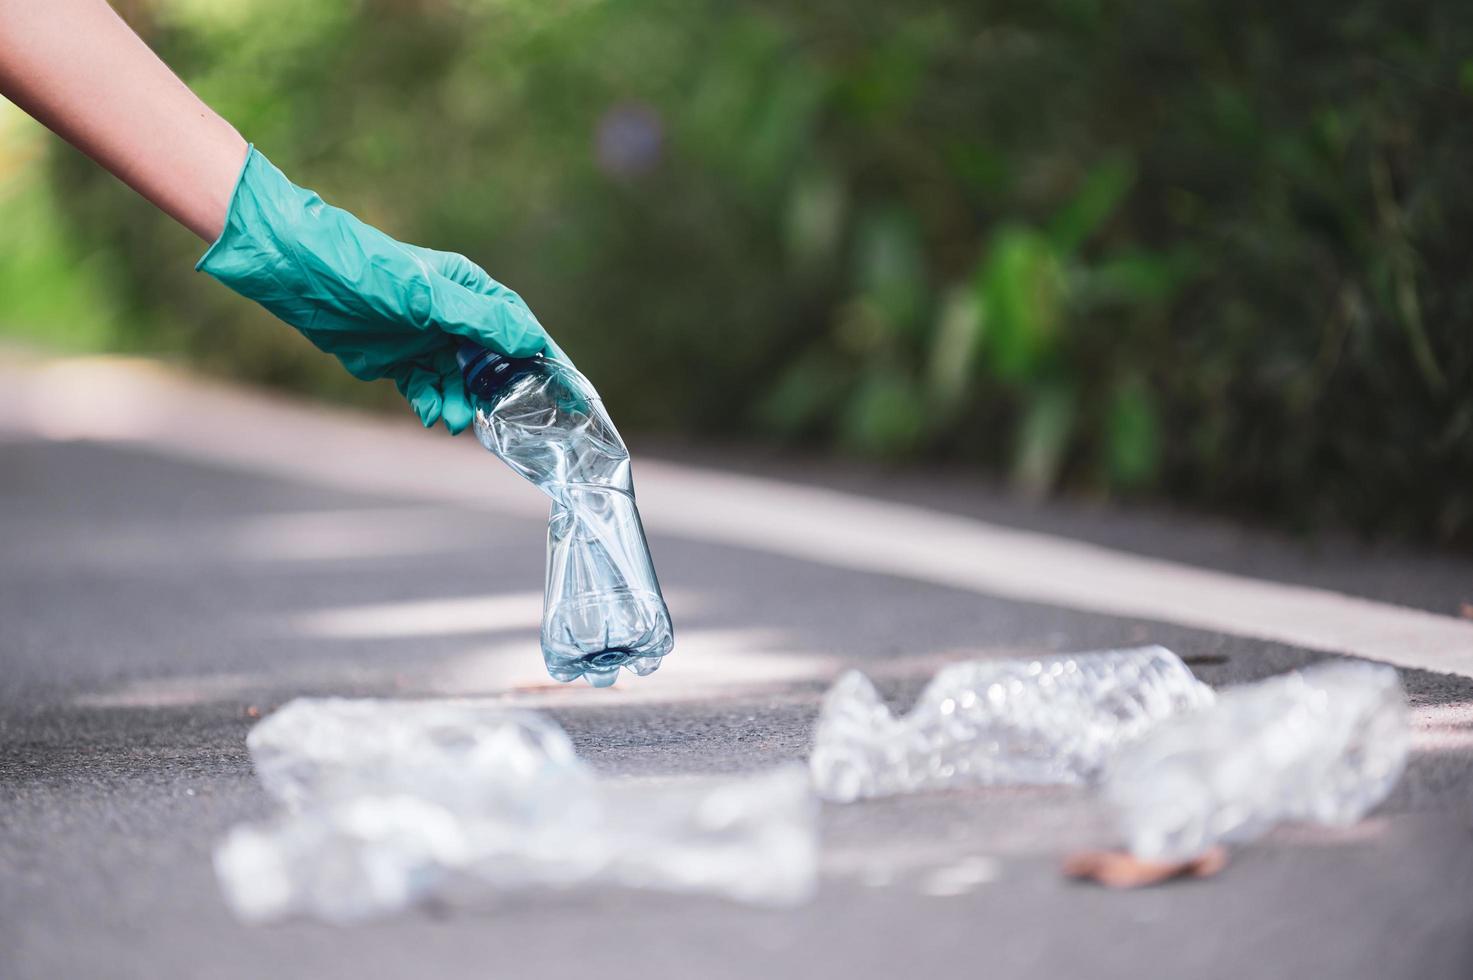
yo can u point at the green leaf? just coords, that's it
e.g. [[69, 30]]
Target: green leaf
[[1022, 291], [981, 167], [891, 269], [1132, 435], [886, 415], [781, 121], [810, 391], [1135, 278], [1103, 190]]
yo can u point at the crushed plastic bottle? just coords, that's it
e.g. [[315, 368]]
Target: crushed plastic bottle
[[391, 803], [602, 609], [1054, 719], [463, 753], [1325, 744]]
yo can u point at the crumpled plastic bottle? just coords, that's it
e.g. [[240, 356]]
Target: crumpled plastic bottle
[[467, 754], [602, 606], [391, 803], [1053, 719], [1325, 744]]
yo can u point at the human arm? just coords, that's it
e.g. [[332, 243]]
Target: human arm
[[79, 69], [384, 308]]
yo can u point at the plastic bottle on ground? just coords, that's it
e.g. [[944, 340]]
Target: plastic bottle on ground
[[1053, 719], [1325, 744], [390, 803]]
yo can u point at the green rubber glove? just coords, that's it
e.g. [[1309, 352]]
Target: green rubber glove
[[383, 308]]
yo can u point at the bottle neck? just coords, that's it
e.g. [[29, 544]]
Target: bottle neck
[[488, 373]]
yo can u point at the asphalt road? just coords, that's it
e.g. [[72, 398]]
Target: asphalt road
[[151, 603]]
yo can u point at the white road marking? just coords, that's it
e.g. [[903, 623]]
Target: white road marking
[[894, 539], [166, 412]]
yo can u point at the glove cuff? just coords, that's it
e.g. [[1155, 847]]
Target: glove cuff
[[216, 245], [257, 253]]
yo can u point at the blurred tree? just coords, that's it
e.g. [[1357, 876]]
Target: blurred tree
[[1205, 248]]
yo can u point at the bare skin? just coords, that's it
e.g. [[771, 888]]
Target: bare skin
[[75, 66]]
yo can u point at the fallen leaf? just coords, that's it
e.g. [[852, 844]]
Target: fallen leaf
[[252, 711], [1121, 869]]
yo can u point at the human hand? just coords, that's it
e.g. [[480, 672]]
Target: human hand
[[384, 308]]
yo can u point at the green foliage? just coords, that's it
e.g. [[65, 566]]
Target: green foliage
[[1021, 284], [1206, 248], [1132, 441], [44, 282]]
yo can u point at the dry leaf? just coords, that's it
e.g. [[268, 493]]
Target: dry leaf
[[1121, 869]]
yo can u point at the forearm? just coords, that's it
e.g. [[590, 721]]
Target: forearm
[[75, 66]]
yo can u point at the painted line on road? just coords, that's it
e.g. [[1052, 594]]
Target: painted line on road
[[139, 402], [895, 539]]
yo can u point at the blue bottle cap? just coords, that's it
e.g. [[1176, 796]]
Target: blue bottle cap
[[474, 359], [485, 370]]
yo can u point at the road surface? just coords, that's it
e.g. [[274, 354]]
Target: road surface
[[177, 557]]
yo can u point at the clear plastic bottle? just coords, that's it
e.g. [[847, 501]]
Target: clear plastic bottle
[[389, 803], [1053, 719], [1325, 744], [602, 607]]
